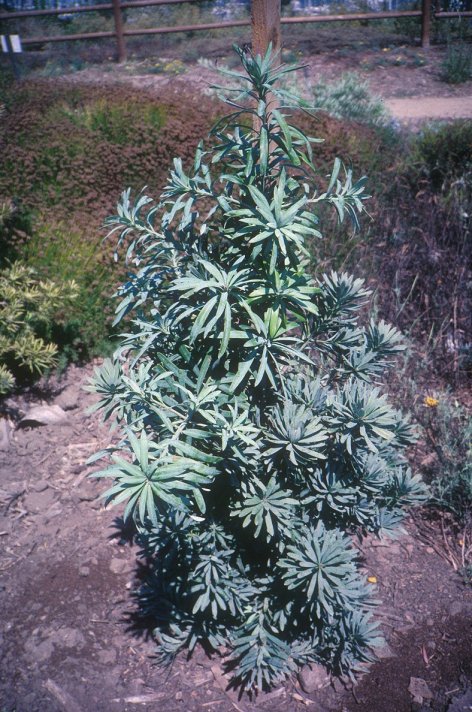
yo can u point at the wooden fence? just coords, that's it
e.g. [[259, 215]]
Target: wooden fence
[[120, 33]]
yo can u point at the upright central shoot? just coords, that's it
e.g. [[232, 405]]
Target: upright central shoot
[[255, 441]]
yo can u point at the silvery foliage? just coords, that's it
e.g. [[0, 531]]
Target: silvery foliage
[[255, 439]]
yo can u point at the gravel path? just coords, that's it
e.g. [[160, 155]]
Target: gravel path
[[431, 107]]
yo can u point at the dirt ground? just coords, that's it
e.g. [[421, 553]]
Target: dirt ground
[[69, 639], [408, 79]]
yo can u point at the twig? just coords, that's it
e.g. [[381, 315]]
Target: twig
[[63, 697], [213, 702], [97, 620], [13, 498], [142, 699], [19, 558], [452, 558]]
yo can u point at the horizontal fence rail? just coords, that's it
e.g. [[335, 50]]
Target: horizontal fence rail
[[120, 33]]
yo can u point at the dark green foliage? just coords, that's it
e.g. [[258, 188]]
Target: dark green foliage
[[255, 440], [29, 307], [456, 67]]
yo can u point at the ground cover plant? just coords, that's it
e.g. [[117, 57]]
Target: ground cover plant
[[66, 151], [255, 438], [29, 307], [350, 98]]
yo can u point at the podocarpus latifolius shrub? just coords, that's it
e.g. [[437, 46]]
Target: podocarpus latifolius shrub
[[255, 439]]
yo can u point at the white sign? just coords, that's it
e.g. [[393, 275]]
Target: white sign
[[15, 43]]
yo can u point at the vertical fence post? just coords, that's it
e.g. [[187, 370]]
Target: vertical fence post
[[265, 22], [425, 23], [120, 39], [265, 19], [12, 58]]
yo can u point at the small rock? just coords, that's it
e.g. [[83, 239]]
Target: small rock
[[39, 501], [119, 566], [456, 608], [462, 702], [69, 398], [54, 511], [107, 657], [40, 652], [5, 434], [87, 496], [84, 571], [68, 638], [313, 677], [419, 689], [385, 652], [43, 415], [40, 486]]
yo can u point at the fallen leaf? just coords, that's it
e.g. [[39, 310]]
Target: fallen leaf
[[425, 655]]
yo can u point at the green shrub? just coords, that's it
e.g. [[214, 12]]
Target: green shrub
[[350, 98], [442, 155], [68, 253], [255, 439], [29, 307], [448, 429], [456, 68]]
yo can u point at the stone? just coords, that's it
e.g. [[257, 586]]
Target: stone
[[419, 690], [69, 398], [5, 434], [119, 566], [40, 652], [313, 677], [462, 702], [39, 501], [43, 415], [84, 571], [385, 652], [68, 638], [107, 657], [54, 511], [40, 486], [456, 608]]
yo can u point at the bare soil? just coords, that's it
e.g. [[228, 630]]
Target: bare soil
[[408, 79], [70, 636]]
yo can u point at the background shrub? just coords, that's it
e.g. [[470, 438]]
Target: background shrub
[[29, 307], [66, 152]]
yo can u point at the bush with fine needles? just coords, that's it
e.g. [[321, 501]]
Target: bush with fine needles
[[255, 440]]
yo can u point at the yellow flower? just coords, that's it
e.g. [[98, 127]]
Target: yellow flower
[[372, 579], [431, 402]]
